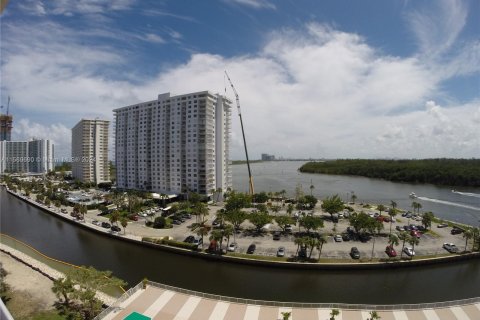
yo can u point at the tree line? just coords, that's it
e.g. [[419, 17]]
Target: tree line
[[450, 172]]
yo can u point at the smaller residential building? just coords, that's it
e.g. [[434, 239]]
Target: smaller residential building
[[35, 156]]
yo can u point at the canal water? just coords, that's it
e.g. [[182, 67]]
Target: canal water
[[64, 241], [461, 205]]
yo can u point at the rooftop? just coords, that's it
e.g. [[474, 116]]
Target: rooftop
[[163, 302]]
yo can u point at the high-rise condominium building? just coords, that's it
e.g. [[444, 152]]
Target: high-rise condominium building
[[174, 144], [90, 151], [35, 156]]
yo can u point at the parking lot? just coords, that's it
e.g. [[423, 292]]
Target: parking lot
[[430, 243]]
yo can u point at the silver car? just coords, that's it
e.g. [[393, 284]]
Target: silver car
[[281, 252]]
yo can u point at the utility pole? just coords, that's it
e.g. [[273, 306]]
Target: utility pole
[[250, 177]]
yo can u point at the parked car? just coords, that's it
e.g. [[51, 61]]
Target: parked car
[[177, 222], [337, 238], [251, 248], [281, 252], [399, 228], [197, 241], [96, 222], [415, 233], [442, 225], [390, 251], [456, 230], [409, 251], [288, 228], [189, 239], [450, 247], [354, 253], [232, 247], [346, 237], [364, 237], [106, 225], [302, 253], [276, 236], [115, 228]]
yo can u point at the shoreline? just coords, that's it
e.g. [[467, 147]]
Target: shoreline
[[256, 262], [45, 270]]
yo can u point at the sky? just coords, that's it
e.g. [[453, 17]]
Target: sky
[[316, 79]]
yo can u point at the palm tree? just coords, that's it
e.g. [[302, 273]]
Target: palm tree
[[114, 217], [217, 236], [404, 237], [374, 228], [83, 211], [393, 240], [334, 313], [202, 231], [468, 234], [374, 316], [381, 208], [290, 209], [228, 232], [353, 197], [393, 204], [124, 223], [311, 243], [300, 241], [321, 241], [392, 213], [311, 188], [413, 241], [219, 193]]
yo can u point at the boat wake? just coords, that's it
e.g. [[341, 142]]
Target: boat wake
[[468, 194], [448, 203]]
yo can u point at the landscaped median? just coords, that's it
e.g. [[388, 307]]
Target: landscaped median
[[290, 262]]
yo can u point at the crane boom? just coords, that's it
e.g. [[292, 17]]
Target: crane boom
[[250, 177]]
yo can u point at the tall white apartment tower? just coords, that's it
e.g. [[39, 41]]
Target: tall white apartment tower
[[174, 144], [90, 151]]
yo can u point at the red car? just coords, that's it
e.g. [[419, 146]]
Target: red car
[[415, 233], [390, 251]]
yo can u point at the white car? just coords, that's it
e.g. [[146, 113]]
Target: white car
[[409, 251], [232, 247], [338, 238]]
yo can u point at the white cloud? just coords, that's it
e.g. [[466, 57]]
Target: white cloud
[[154, 38], [437, 26], [69, 7], [256, 4], [316, 92]]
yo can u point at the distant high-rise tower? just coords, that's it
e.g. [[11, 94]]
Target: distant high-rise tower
[[6, 122], [174, 144], [90, 151]]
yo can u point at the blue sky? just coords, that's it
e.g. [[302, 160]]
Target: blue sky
[[329, 79]]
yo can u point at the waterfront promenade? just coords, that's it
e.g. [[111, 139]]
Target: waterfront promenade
[[168, 303]]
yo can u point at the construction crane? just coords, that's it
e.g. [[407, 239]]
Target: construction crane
[[250, 177], [8, 105]]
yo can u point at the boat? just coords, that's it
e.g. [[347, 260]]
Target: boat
[[413, 195]]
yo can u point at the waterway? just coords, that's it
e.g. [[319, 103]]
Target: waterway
[[461, 205], [62, 240]]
